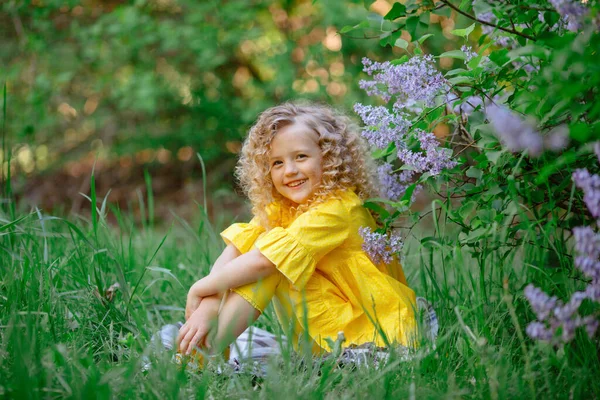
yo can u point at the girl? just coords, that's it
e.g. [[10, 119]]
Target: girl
[[306, 172]]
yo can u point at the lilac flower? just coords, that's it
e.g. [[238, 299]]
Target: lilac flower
[[591, 325], [593, 291], [434, 158], [541, 303], [587, 242], [380, 247], [381, 126], [513, 131], [487, 17], [467, 107], [417, 80], [590, 184], [537, 330], [557, 139], [394, 185], [469, 53], [572, 11]]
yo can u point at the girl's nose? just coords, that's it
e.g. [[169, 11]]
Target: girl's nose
[[291, 169]]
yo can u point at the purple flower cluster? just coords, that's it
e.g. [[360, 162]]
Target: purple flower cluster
[[381, 126], [415, 81], [590, 184], [573, 13], [487, 17], [469, 53], [518, 135], [394, 185], [551, 312], [466, 108], [380, 247], [433, 158]]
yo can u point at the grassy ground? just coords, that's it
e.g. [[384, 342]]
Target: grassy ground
[[65, 333]]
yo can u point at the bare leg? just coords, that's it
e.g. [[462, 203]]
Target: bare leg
[[235, 316]]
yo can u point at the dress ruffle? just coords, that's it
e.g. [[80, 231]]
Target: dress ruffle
[[242, 235], [289, 256]]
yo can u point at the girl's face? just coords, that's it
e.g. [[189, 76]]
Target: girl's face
[[295, 160]]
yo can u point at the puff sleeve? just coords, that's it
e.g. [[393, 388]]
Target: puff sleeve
[[297, 249], [243, 235]]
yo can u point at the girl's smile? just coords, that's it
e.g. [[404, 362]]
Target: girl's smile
[[295, 160]]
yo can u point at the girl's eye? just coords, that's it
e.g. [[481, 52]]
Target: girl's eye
[[276, 163], [301, 155]]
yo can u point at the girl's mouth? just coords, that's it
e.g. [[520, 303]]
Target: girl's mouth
[[296, 183]]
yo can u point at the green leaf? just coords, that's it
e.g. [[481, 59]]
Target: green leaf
[[424, 38], [408, 194], [493, 156], [455, 72], [565, 159], [397, 11], [473, 172], [580, 132], [403, 44], [463, 32], [430, 242], [477, 234], [389, 38], [371, 205], [453, 54], [380, 153], [467, 209], [457, 80], [348, 28], [13, 223], [411, 25], [474, 62], [400, 60]]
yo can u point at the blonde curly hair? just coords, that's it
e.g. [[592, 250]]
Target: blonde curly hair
[[346, 163]]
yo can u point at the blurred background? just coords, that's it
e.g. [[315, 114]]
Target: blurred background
[[128, 87]]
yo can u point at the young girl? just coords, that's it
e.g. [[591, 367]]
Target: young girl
[[306, 172]]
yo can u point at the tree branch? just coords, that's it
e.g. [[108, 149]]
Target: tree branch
[[474, 18]]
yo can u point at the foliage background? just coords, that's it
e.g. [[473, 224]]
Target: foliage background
[[147, 84]]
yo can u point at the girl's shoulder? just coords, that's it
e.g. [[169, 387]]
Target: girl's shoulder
[[347, 197], [343, 199]]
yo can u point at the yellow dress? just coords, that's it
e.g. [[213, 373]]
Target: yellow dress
[[327, 283]]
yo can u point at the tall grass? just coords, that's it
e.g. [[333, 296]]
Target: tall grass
[[65, 333]]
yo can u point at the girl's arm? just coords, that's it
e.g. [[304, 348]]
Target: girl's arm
[[247, 268], [193, 301]]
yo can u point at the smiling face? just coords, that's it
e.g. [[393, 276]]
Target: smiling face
[[295, 159]]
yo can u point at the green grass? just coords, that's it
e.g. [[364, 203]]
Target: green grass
[[61, 335]]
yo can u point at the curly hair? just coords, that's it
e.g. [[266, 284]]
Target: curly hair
[[346, 163]]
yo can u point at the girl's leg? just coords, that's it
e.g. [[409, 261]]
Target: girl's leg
[[235, 316]]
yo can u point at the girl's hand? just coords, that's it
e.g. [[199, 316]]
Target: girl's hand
[[194, 298], [191, 304], [199, 324]]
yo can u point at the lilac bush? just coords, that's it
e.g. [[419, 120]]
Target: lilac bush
[[521, 75], [552, 314]]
